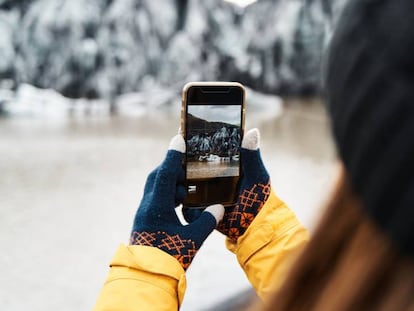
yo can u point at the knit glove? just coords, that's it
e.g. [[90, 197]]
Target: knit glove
[[253, 192], [156, 223]]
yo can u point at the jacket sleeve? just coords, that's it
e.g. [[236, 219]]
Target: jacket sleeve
[[269, 246], [142, 278]]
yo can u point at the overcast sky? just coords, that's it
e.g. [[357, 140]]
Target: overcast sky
[[228, 113]]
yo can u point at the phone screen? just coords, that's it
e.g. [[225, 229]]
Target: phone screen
[[213, 141], [213, 133]]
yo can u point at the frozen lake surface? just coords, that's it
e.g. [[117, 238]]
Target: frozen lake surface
[[69, 189], [212, 169]]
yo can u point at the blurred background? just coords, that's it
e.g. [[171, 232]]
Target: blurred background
[[89, 99]]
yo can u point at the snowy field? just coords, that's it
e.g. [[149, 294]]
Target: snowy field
[[70, 186]]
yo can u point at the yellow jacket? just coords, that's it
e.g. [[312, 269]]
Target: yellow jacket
[[146, 278]]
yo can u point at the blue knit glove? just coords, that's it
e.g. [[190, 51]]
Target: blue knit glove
[[253, 192], [156, 223]]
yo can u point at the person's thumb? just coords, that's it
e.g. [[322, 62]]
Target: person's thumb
[[191, 214], [217, 210], [206, 223]]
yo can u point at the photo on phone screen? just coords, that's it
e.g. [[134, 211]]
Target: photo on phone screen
[[212, 119], [213, 140]]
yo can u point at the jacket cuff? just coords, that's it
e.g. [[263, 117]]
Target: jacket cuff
[[272, 222], [269, 246], [153, 261]]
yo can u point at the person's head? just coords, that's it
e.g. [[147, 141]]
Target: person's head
[[361, 256]]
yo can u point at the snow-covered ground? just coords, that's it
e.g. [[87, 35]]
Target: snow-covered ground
[[70, 186]]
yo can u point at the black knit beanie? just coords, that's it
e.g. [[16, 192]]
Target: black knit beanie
[[370, 94]]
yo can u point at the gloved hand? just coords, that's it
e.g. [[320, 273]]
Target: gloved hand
[[254, 189], [253, 192], [156, 223]]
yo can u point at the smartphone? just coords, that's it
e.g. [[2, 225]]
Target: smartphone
[[212, 123]]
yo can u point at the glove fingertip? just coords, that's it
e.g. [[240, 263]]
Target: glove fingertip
[[251, 139], [217, 210], [177, 143]]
